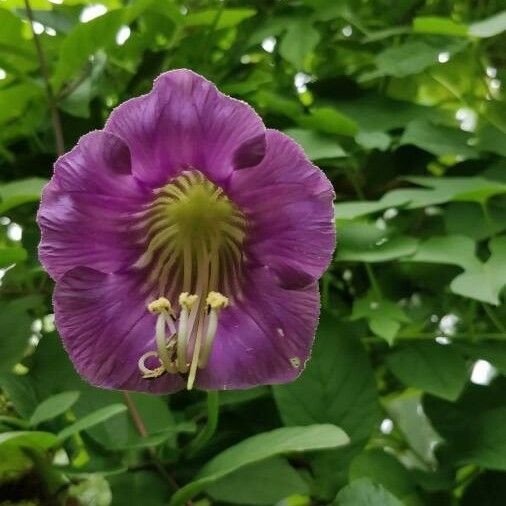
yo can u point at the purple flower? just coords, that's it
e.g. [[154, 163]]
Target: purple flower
[[186, 242]]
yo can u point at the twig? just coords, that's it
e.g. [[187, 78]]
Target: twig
[[55, 117], [141, 429]]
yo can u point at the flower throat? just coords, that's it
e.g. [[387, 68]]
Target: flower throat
[[194, 237]]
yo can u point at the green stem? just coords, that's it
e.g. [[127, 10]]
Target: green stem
[[373, 280], [493, 318], [203, 437]]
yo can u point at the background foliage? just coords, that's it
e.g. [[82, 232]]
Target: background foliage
[[401, 103]]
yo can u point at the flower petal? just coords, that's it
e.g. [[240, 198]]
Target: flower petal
[[185, 121], [265, 338], [86, 210], [288, 205], [106, 328]]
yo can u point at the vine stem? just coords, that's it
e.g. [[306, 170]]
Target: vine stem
[[141, 429], [203, 437], [55, 117]]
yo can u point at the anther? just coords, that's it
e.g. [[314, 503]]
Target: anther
[[159, 305]]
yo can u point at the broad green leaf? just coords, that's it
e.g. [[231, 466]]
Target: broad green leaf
[[491, 139], [264, 483], [364, 492], [447, 249], [468, 218], [472, 189], [88, 421], [376, 113], [494, 25], [406, 412], [484, 282], [481, 442], [438, 140], [493, 352], [42, 440], [20, 192], [16, 52], [362, 242], [431, 367], [11, 255], [225, 19], [15, 330], [316, 146], [15, 100], [373, 140], [439, 25], [385, 470], [53, 407], [142, 487], [262, 447], [329, 121], [299, 41], [413, 57], [85, 40], [328, 391]]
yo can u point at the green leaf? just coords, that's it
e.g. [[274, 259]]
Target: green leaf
[[88, 421], [482, 442], [15, 330], [264, 483], [142, 487], [373, 140], [449, 249], [53, 407], [329, 121], [11, 255], [484, 282], [413, 57], [20, 192], [431, 367], [227, 18], [438, 140], [316, 146], [364, 492], [42, 440], [471, 189], [85, 40], [384, 316], [261, 447], [362, 242], [299, 41], [328, 391], [385, 470], [439, 25], [494, 25]]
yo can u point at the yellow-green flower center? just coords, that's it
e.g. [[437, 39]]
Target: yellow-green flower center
[[194, 237]]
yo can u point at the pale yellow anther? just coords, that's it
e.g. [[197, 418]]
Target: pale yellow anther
[[159, 305], [216, 300], [187, 301]]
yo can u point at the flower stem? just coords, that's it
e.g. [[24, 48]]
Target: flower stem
[[55, 117], [203, 437], [493, 318]]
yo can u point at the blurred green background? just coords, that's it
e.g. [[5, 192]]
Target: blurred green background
[[401, 103]]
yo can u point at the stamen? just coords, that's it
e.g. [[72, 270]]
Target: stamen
[[186, 301], [193, 240], [216, 301], [146, 372]]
